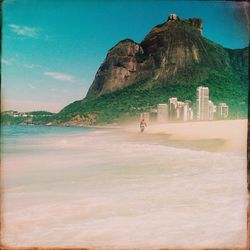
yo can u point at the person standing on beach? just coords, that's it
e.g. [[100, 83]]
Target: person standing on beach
[[143, 124]]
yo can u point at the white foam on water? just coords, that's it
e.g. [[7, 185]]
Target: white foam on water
[[101, 190]]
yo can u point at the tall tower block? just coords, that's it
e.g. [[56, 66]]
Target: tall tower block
[[202, 107]]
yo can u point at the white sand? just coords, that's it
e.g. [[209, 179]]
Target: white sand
[[233, 133]]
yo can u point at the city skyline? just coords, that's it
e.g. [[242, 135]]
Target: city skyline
[[176, 110]]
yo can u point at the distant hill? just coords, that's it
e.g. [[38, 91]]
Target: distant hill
[[13, 117]]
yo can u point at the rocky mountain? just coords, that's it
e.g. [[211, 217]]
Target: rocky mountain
[[168, 50], [173, 60]]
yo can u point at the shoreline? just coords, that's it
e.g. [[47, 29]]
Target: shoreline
[[212, 136]]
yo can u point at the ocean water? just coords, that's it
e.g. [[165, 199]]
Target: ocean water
[[79, 187]]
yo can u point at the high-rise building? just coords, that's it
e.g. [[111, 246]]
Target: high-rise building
[[222, 110], [190, 114], [172, 108], [186, 110], [202, 97], [180, 111], [162, 112], [211, 110]]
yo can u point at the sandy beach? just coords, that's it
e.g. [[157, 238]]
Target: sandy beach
[[221, 136], [117, 188]]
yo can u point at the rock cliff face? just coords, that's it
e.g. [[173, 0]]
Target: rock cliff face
[[119, 68], [168, 48]]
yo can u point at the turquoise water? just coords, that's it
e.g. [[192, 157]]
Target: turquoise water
[[13, 137], [82, 187], [38, 131]]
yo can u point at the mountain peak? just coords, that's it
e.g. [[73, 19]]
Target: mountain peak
[[173, 17], [167, 49], [194, 22]]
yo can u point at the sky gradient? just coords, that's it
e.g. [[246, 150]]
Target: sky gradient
[[51, 50]]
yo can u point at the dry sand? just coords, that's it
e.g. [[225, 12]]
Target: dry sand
[[226, 135]]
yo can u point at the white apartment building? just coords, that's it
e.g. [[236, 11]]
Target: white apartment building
[[222, 110], [211, 110], [202, 98], [190, 114], [172, 102]]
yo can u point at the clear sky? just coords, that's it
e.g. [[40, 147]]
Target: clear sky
[[51, 49]]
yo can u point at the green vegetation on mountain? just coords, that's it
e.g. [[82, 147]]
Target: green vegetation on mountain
[[145, 95]]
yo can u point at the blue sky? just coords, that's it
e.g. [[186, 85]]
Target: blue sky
[[51, 49]]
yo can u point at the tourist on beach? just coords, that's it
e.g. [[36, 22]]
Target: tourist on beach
[[143, 124]]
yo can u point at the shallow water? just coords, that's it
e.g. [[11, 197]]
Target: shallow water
[[91, 188]]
